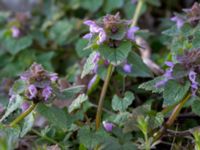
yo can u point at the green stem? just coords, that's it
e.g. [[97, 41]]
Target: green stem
[[47, 138], [172, 118], [102, 96], [23, 115], [137, 12]]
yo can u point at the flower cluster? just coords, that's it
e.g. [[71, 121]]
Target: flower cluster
[[112, 29], [39, 83], [192, 16], [190, 62]]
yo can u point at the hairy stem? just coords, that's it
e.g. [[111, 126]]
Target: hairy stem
[[172, 118], [137, 12], [23, 115], [102, 96]]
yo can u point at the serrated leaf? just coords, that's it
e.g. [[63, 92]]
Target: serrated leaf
[[9, 137], [150, 85], [174, 92], [110, 5], [91, 5], [68, 93], [115, 55], [14, 46], [196, 106], [76, 104], [27, 124], [54, 115], [12, 106], [60, 31], [139, 69], [19, 86], [89, 66], [179, 71], [121, 104], [79, 47], [89, 138]]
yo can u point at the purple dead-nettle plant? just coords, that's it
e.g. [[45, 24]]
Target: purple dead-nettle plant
[[192, 16], [39, 83], [105, 30], [189, 63], [167, 75]]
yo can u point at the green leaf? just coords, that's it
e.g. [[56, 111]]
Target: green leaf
[[150, 85], [121, 104], [110, 5], [90, 138], [14, 46], [45, 60], [12, 106], [79, 47], [116, 55], [60, 31], [89, 66], [68, 93], [27, 124], [54, 115], [9, 137], [179, 71], [19, 86], [175, 92], [91, 5], [139, 69], [76, 104], [196, 106]]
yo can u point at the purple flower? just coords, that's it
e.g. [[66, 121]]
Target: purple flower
[[94, 28], [91, 82], [194, 83], [108, 126], [32, 91], [179, 21], [167, 75], [25, 106], [15, 32], [53, 76], [46, 92], [88, 36], [127, 68], [131, 33]]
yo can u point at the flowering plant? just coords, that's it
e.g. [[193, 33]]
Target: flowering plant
[[99, 74]]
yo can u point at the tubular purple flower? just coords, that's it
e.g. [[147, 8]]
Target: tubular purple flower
[[179, 21], [15, 32], [131, 33], [32, 91], [25, 106], [46, 92], [194, 83], [127, 68], [53, 77], [108, 126], [91, 82], [167, 75], [88, 36]]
